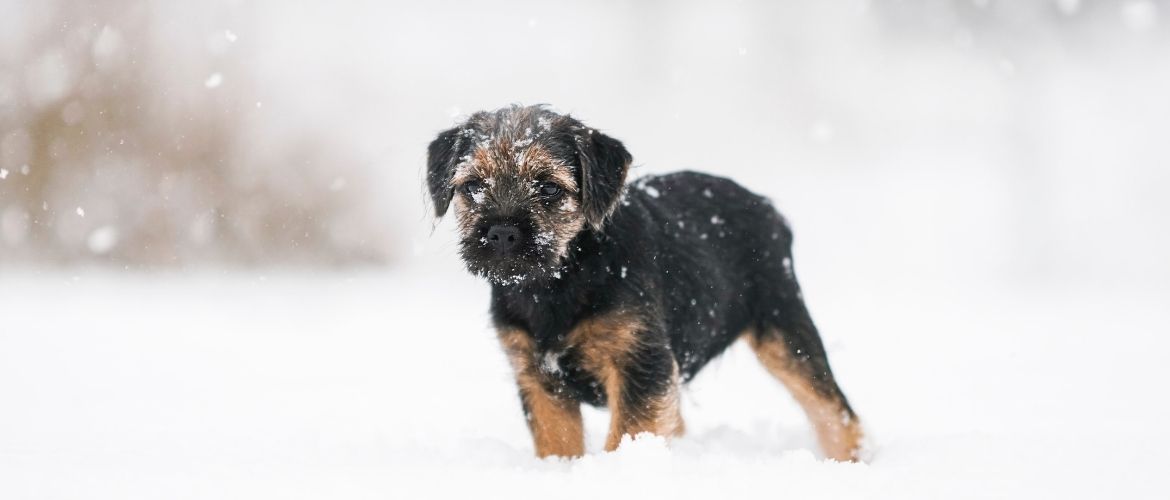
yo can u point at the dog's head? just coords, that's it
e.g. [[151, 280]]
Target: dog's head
[[524, 181]]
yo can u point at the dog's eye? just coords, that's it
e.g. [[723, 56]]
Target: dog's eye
[[472, 187], [548, 190]]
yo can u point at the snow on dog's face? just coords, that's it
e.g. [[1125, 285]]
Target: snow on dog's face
[[525, 181]]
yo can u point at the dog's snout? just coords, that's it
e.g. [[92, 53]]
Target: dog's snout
[[504, 238]]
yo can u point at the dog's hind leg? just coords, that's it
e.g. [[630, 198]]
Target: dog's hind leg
[[790, 349], [812, 385]]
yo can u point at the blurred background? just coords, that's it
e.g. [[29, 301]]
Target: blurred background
[[220, 278], [1019, 143]]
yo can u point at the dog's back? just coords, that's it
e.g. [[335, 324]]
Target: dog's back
[[720, 268], [720, 256]]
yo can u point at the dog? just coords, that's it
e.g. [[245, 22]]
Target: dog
[[612, 294]]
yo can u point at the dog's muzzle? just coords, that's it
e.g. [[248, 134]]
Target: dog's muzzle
[[503, 239]]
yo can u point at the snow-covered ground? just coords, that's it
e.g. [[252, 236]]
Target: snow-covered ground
[[978, 191], [390, 385]]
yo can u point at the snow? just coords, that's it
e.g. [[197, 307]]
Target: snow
[[550, 363], [1069, 7], [392, 385], [214, 80], [102, 239], [108, 43], [979, 215], [48, 78], [821, 132], [1139, 15]]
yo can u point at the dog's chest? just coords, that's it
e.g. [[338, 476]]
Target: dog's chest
[[564, 372], [570, 345]]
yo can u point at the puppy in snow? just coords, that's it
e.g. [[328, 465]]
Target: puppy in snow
[[612, 294]]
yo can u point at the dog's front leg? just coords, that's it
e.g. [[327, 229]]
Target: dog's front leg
[[555, 421]]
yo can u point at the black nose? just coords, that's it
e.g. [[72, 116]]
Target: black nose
[[503, 238]]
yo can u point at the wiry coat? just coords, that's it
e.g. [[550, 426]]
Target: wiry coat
[[614, 293]]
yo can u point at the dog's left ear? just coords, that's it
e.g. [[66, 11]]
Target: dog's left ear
[[604, 164], [443, 155]]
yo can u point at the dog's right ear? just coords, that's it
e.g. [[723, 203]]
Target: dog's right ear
[[443, 155]]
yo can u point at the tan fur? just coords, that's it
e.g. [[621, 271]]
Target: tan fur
[[839, 434], [604, 344], [661, 417], [555, 422], [464, 214], [499, 158], [499, 163]]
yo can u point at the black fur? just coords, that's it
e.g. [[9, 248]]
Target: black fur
[[698, 259], [442, 156], [604, 163]]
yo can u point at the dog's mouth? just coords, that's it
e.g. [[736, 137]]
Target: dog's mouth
[[510, 252]]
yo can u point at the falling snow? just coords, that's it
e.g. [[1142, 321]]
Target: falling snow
[[120, 384], [213, 81], [1069, 7], [102, 240], [1139, 15]]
